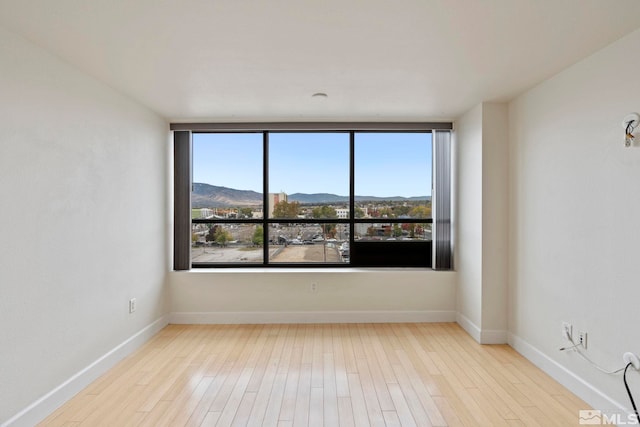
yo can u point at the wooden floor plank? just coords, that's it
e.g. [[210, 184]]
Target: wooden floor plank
[[339, 362], [359, 406], [403, 413], [345, 412], [377, 375], [326, 374], [303, 396], [288, 406]]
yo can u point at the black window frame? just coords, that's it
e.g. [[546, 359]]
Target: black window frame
[[417, 254]]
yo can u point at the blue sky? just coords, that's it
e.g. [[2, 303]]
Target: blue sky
[[387, 164]]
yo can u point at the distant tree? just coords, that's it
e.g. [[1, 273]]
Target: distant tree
[[421, 229], [324, 212], [410, 228], [222, 236], [421, 211], [359, 213], [211, 235], [284, 209], [329, 230], [397, 231], [194, 237], [401, 210], [258, 236], [245, 213], [386, 212]]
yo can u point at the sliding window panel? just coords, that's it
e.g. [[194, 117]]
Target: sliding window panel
[[226, 243], [392, 232], [384, 253], [325, 243], [392, 175], [227, 176], [308, 175]]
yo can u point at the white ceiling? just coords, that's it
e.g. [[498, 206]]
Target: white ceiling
[[236, 60]]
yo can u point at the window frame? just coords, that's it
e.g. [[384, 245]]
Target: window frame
[[186, 131]]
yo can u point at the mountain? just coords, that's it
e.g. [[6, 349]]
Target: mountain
[[317, 198], [211, 196], [320, 198], [393, 199]]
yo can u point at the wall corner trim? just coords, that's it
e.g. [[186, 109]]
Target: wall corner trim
[[45, 405], [471, 328], [489, 336], [486, 336]]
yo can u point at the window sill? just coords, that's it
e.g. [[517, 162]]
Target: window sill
[[380, 270]]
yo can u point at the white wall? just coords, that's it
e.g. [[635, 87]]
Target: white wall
[[82, 224], [285, 296], [575, 220], [468, 257], [481, 219], [495, 213]]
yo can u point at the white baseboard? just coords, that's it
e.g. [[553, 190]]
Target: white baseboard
[[487, 336], [263, 317], [41, 408], [584, 390]]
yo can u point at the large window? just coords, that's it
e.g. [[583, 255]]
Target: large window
[[291, 198]]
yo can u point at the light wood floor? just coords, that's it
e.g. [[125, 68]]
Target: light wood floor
[[331, 375]]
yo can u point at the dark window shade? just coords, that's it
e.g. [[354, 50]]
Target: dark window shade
[[182, 200], [443, 257]]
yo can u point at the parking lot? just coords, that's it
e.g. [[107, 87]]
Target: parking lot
[[308, 253], [277, 254]]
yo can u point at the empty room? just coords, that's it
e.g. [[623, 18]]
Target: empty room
[[323, 213]]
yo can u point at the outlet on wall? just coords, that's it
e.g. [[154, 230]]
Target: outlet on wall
[[582, 339], [313, 287], [132, 305]]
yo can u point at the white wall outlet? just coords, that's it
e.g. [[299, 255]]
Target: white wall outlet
[[582, 339], [567, 331], [313, 287], [132, 305]]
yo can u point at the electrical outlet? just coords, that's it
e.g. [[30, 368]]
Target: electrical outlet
[[582, 339], [132, 305], [313, 287], [567, 331]]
